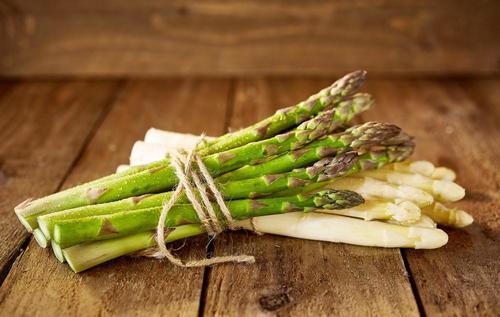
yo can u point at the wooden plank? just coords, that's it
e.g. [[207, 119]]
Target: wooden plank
[[460, 279], [128, 286], [299, 277], [43, 126], [152, 37], [485, 93]]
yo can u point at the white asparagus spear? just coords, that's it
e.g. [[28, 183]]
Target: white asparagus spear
[[424, 221], [451, 217], [372, 188], [425, 168], [172, 139], [444, 173], [145, 153], [122, 167], [333, 228], [404, 212], [441, 190]]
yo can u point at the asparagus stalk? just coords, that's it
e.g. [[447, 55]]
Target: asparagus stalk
[[444, 173], [333, 228], [122, 167], [451, 217], [424, 221], [173, 140], [424, 168], [326, 168], [145, 153], [402, 212], [441, 190], [58, 251], [84, 256], [288, 117], [369, 187], [40, 238], [74, 231], [282, 120], [163, 177], [312, 226]]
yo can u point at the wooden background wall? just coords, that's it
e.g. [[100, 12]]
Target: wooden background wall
[[236, 37]]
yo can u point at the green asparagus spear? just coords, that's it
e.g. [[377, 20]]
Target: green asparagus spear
[[163, 177], [250, 188], [71, 232], [367, 161], [84, 256], [288, 117]]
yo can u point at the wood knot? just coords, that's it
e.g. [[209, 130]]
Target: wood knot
[[274, 301]]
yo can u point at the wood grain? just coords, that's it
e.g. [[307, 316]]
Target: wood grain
[[485, 93], [299, 277], [455, 123], [128, 286], [43, 126], [155, 37], [451, 129]]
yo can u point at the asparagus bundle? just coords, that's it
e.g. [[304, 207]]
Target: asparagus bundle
[[301, 172], [160, 176]]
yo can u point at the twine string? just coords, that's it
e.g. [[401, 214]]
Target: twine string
[[182, 163]]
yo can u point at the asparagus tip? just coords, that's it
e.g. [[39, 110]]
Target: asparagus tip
[[465, 218], [405, 211], [338, 199], [425, 168], [448, 191], [330, 167], [444, 173], [428, 238], [354, 79]]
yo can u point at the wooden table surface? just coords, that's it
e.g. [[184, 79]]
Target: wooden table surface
[[58, 133]]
